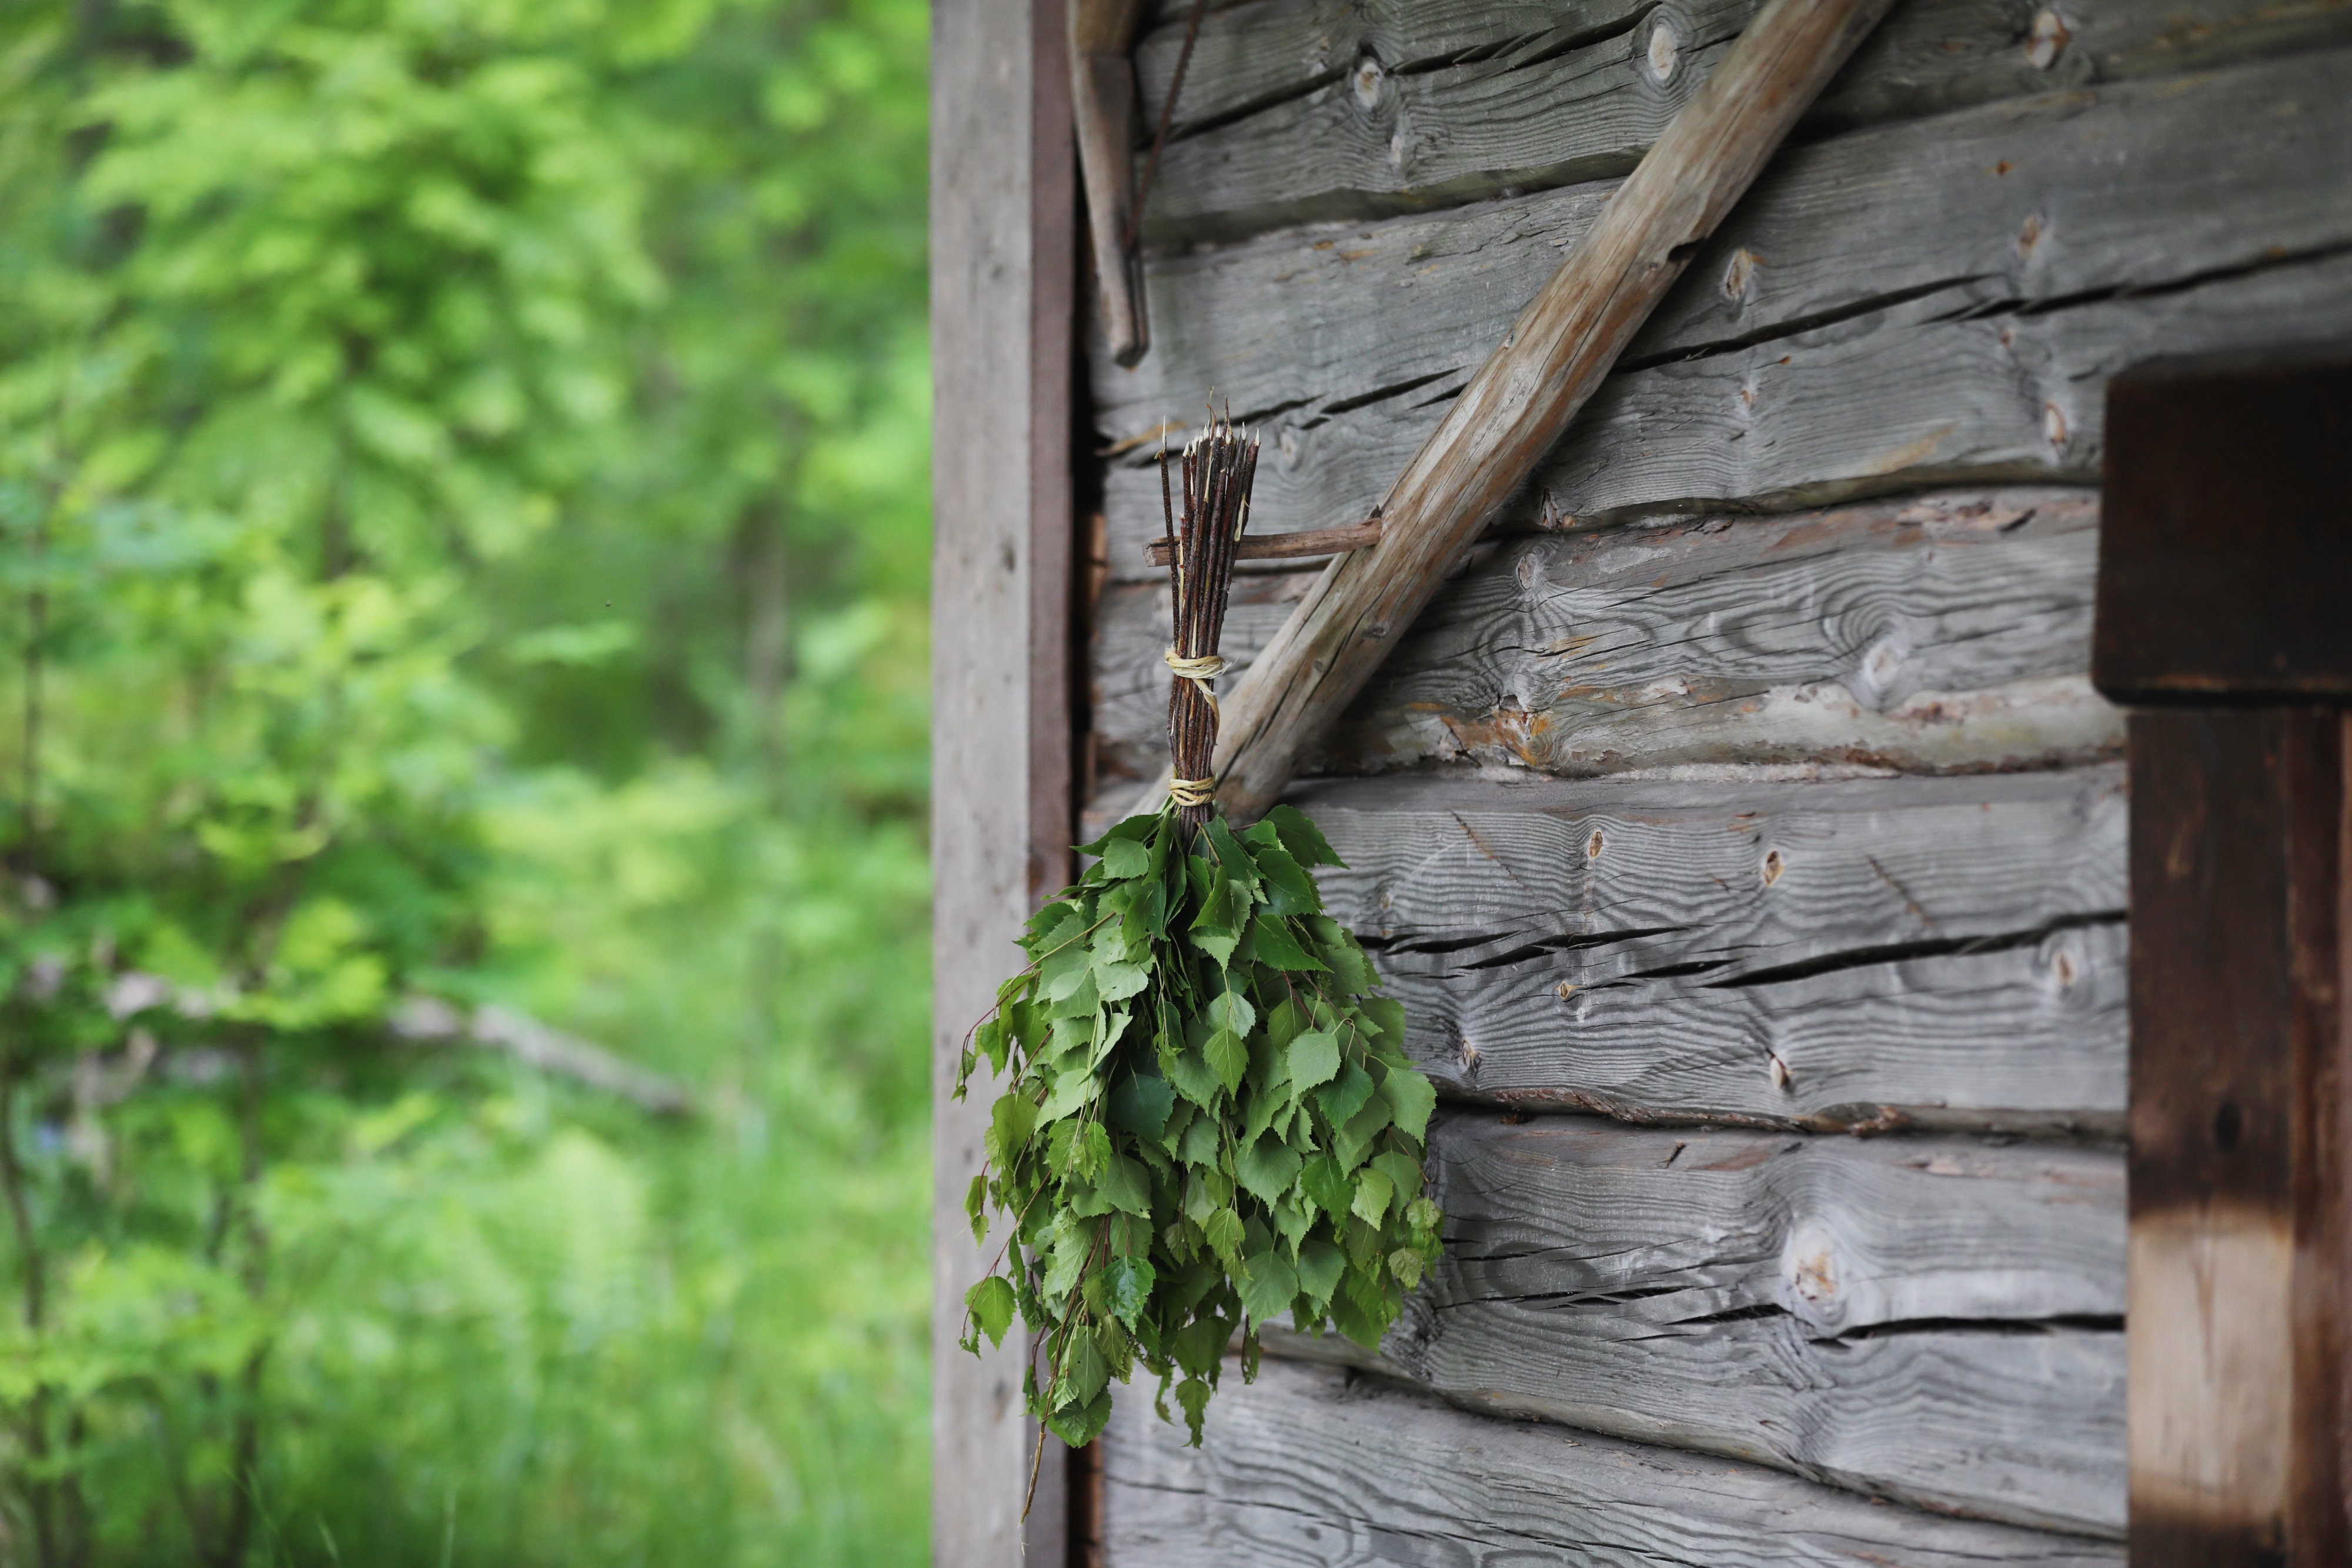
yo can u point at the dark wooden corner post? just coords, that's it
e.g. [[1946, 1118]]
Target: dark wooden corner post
[[2225, 619], [1003, 309]]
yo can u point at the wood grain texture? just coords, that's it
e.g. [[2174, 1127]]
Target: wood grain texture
[[1934, 1319], [1556, 355], [1971, 276], [1948, 632], [1003, 214], [1102, 87], [1300, 111], [1840, 1234], [1313, 1468], [1927, 952], [2238, 1172]]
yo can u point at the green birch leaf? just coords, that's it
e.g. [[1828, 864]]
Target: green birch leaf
[[1217, 937], [1222, 1230], [1010, 1122], [990, 1040], [1090, 1152], [1276, 943], [1071, 1092], [1125, 858], [1320, 1264], [1234, 860], [1384, 1017], [1286, 1022], [1326, 1184], [1125, 1185], [1079, 999], [1078, 1424], [1313, 1059], [1227, 1057], [1194, 1079], [1192, 1396], [1263, 1104], [1068, 1259], [1301, 836], [1229, 1010], [1126, 1287], [1141, 1105], [1405, 1264], [1345, 1095], [1084, 1371], [1269, 1285], [1293, 1218], [975, 1206], [1115, 982], [1373, 1191], [991, 1302], [1202, 1142], [1288, 889], [1411, 1097], [1266, 1169], [1352, 1142], [1200, 1344], [1404, 1172]]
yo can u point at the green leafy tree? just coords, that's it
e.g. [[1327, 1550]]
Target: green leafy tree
[[462, 529]]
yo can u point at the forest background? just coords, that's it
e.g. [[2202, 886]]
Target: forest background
[[463, 530]]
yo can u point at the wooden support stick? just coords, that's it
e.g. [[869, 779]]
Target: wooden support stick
[[1102, 91], [1299, 546], [1513, 411]]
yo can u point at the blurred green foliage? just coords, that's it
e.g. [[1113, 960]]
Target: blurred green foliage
[[463, 526]]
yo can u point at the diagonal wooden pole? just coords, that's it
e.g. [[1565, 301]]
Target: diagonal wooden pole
[[1522, 398]]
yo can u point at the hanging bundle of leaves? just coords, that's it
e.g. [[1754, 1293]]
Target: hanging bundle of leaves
[[1210, 1118]]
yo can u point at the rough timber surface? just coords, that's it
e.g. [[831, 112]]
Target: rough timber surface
[[1841, 1235], [1295, 110], [1940, 300], [1935, 1319], [1315, 1468], [1945, 633], [1870, 953]]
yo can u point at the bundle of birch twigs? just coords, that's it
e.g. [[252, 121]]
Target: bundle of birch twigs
[[1209, 1121], [1219, 468]]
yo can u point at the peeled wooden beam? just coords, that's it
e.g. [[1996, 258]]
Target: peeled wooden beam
[[1523, 397], [1102, 92], [1295, 546]]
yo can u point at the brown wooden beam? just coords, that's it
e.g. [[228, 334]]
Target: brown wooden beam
[[2223, 569], [1301, 544], [2225, 560]]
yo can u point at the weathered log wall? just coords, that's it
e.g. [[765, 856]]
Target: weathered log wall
[[1744, 791]]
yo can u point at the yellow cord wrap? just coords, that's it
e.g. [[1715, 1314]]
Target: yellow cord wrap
[[1199, 672], [1191, 791]]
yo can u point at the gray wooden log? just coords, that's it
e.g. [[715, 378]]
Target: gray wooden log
[[1313, 1468], [1300, 110], [1004, 246], [2127, 186], [1546, 367], [1933, 952], [2021, 1425], [1345, 354], [1842, 1235], [1934, 1320], [1949, 631]]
